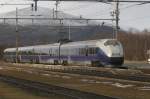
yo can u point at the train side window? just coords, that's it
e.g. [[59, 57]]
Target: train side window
[[33, 51], [86, 52], [70, 51], [62, 52], [6, 53], [57, 52], [30, 52], [89, 51], [12, 53], [96, 50], [22, 53], [79, 51], [82, 51], [92, 51], [49, 52], [76, 52], [53, 52]]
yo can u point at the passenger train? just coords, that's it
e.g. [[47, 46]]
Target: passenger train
[[102, 52]]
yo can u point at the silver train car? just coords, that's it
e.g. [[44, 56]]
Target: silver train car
[[100, 52]]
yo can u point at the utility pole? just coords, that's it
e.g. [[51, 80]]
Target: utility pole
[[117, 18], [115, 15], [57, 2], [32, 9], [53, 13], [17, 35], [69, 31], [35, 4], [4, 21]]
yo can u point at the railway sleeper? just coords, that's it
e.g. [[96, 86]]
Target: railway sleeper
[[47, 88]]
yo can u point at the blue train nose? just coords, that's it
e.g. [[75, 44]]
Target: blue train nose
[[116, 60]]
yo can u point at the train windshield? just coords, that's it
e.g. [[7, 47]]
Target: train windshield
[[111, 42]]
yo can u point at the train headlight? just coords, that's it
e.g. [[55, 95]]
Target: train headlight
[[109, 53]]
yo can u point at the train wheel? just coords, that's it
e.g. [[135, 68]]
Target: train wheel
[[55, 62], [37, 61], [95, 63], [31, 61], [14, 60], [65, 62]]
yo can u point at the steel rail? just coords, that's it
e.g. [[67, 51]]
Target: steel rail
[[46, 88], [54, 18]]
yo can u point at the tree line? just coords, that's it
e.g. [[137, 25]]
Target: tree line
[[135, 44], [2, 47]]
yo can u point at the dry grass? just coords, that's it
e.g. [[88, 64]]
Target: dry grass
[[75, 82], [126, 61], [10, 92]]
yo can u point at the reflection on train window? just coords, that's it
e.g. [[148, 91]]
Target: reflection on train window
[[111, 42], [10, 53], [92, 51]]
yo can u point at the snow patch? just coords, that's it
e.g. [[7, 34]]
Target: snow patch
[[84, 80], [46, 74], [66, 77], [106, 82], [90, 81], [29, 72], [57, 76], [122, 85], [144, 88]]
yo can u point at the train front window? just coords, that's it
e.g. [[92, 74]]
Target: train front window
[[111, 42], [10, 53]]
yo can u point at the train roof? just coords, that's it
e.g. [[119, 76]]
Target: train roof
[[88, 42], [31, 47]]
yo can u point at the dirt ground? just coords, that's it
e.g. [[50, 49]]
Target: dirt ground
[[8, 91], [99, 85]]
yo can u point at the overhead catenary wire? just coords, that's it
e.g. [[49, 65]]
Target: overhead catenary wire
[[10, 3], [102, 12], [121, 1], [136, 18], [133, 5]]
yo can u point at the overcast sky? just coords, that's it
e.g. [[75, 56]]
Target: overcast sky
[[131, 15]]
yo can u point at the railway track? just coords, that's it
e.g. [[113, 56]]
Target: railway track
[[123, 74], [134, 77], [46, 88]]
